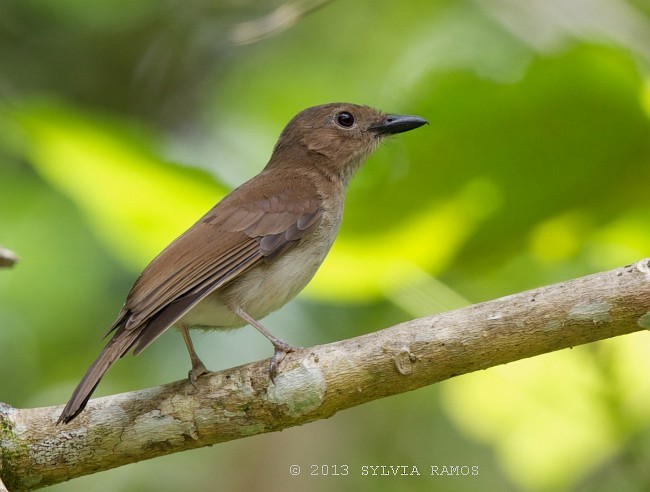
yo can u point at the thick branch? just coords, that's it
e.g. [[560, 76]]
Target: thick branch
[[316, 383]]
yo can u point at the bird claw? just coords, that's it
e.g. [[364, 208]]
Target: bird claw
[[196, 372], [281, 350]]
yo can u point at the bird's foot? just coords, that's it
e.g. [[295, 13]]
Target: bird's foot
[[281, 350], [196, 372]]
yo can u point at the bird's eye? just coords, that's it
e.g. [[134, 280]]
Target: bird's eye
[[344, 119]]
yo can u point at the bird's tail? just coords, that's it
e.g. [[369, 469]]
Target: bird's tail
[[116, 348]]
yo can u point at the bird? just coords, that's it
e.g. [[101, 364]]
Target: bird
[[254, 250]]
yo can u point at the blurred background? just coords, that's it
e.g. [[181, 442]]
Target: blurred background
[[122, 122]]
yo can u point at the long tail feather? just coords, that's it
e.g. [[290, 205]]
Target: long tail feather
[[115, 349]]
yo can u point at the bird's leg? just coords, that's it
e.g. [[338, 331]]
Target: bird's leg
[[281, 348], [198, 369]]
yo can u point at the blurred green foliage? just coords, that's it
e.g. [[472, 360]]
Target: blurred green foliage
[[121, 123]]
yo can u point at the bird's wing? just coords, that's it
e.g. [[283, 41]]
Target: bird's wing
[[230, 239]]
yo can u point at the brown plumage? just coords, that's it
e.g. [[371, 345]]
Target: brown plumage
[[254, 250]]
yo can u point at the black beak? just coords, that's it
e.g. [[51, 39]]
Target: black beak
[[397, 123]]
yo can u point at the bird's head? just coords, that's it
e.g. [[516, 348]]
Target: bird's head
[[338, 136]]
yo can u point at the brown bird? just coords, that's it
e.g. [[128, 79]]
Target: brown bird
[[255, 249]]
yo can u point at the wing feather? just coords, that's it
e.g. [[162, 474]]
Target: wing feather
[[226, 242]]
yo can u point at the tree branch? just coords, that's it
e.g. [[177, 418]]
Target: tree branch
[[281, 19], [317, 382]]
